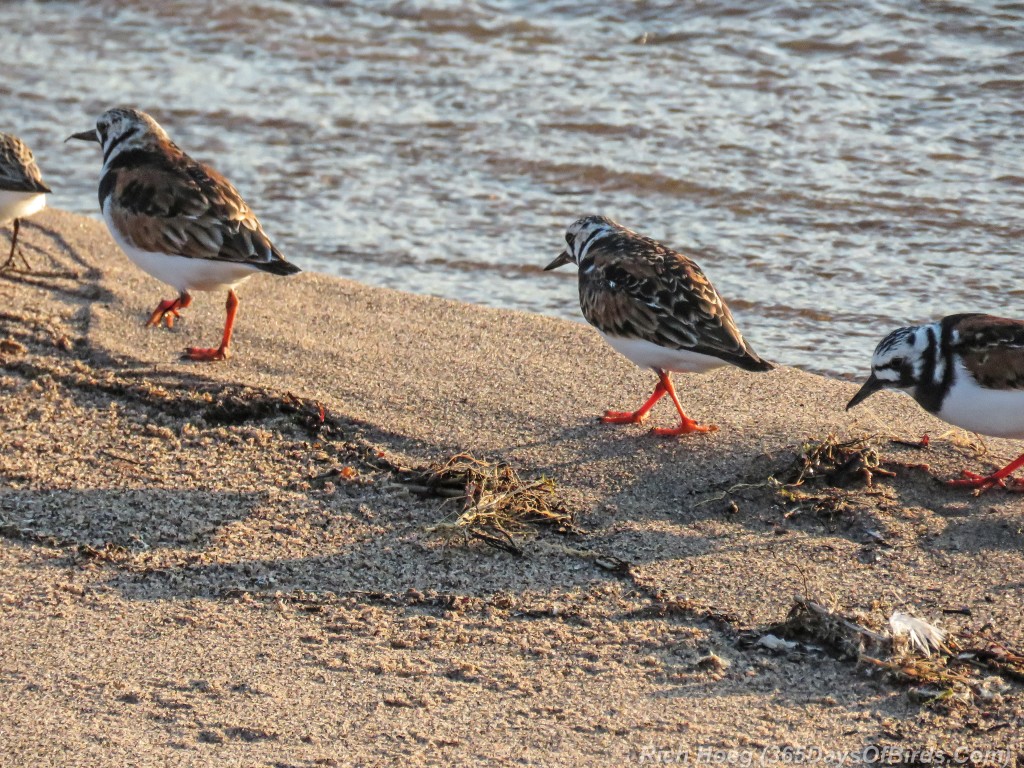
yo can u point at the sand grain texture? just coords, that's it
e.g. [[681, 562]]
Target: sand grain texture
[[191, 576]]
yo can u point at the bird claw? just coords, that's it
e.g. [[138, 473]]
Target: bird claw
[[167, 317], [980, 483], [166, 312], [10, 263], [623, 417], [685, 428], [199, 354]]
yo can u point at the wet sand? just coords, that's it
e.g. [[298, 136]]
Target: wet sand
[[191, 574]]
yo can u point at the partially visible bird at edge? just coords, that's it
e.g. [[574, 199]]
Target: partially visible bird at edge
[[22, 191]]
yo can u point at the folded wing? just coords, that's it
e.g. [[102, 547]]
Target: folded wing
[[179, 206], [637, 288], [18, 169], [992, 349]]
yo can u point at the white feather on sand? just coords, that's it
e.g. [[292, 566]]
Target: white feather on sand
[[924, 636]]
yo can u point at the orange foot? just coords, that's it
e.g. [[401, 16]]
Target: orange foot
[[982, 483], [637, 416], [167, 310], [685, 428], [202, 355], [624, 417]]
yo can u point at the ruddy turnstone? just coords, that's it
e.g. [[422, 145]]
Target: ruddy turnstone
[[22, 191], [654, 306], [177, 219], [968, 370]]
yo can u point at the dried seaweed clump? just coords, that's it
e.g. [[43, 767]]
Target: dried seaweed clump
[[496, 503], [819, 477], [962, 676], [936, 669], [836, 463], [814, 623]]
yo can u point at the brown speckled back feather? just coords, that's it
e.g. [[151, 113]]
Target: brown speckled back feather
[[992, 349], [634, 287], [163, 201], [18, 169]]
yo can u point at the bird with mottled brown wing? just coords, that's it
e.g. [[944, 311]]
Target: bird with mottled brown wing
[[174, 205], [656, 307], [177, 219], [18, 169], [967, 370], [660, 296]]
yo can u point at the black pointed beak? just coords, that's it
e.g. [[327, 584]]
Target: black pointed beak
[[563, 258], [84, 136], [871, 386]]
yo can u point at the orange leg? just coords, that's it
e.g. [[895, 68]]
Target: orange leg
[[983, 483], [637, 416], [167, 310], [221, 352], [687, 425]]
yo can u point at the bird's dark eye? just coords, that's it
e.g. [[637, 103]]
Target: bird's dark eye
[[569, 237]]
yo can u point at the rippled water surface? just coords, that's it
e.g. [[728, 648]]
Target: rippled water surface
[[837, 168]]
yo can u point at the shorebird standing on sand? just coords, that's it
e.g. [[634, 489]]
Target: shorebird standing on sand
[[177, 219], [654, 306], [22, 191], [967, 370]]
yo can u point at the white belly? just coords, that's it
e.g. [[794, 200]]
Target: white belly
[[649, 355], [993, 412], [182, 272], [16, 205]]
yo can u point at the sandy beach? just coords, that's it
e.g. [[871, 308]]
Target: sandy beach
[[196, 569]]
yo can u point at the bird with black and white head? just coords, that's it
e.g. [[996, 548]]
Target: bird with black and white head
[[177, 219], [967, 370], [654, 306]]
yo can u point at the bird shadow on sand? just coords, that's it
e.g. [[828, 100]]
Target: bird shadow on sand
[[667, 501], [120, 519], [54, 264]]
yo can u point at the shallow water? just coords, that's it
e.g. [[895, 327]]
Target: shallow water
[[838, 169]]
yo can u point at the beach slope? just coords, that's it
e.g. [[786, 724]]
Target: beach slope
[[242, 563]]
